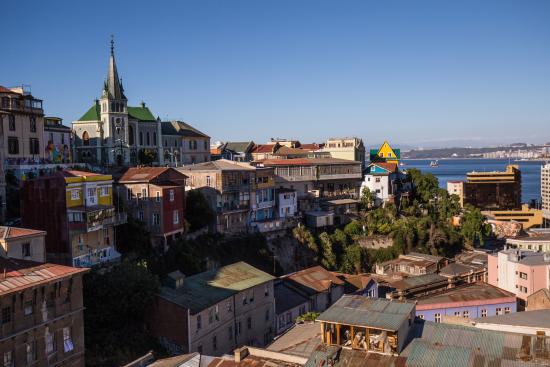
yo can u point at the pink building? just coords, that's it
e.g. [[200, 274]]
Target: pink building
[[520, 272]]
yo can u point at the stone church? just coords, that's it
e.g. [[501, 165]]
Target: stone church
[[113, 133]]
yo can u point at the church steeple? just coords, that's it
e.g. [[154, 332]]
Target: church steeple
[[113, 86]]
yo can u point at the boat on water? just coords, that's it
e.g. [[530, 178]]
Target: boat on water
[[401, 164], [434, 163]]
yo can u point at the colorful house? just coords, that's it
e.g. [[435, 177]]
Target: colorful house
[[76, 210], [385, 154], [385, 181]]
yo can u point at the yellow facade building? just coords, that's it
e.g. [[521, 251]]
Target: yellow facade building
[[385, 154]]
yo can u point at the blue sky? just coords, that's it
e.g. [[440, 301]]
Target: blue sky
[[465, 72]]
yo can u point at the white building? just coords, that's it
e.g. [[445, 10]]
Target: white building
[[383, 180], [287, 202]]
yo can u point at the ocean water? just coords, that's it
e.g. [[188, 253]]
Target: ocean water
[[456, 169]]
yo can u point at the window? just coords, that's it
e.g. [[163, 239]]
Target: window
[[105, 191], [499, 311], [457, 313], [205, 145], [29, 309], [483, 313], [85, 138], [437, 317], [50, 342], [144, 193], [33, 124], [8, 359], [523, 275], [13, 145], [154, 138], [11, 122], [67, 341], [148, 139], [230, 333], [238, 330], [506, 309], [171, 195], [176, 216], [210, 315], [6, 315], [249, 322], [140, 215], [251, 296], [199, 322], [26, 250], [31, 352], [199, 349], [267, 314], [245, 300], [140, 138], [266, 290], [156, 219], [158, 197], [466, 314], [214, 343], [34, 146], [129, 194], [421, 317], [208, 181]]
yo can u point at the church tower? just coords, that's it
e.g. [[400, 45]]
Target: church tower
[[114, 117]]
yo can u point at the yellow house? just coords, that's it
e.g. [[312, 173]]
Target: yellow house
[[92, 217], [385, 154]]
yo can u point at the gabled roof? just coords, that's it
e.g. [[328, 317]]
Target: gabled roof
[[147, 174], [142, 113], [181, 128], [284, 150], [312, 147], [15, 232], [239, 146], [264, 148], [92, 114], [473, 294], [315, 279], [389, 167], [218, 165]]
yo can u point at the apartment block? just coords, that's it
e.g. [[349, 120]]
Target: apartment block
[[156, 197], [496, 190], [58, 140], [183, 144], [216, 311], [76, 210], [22, 120], [42, 313], [519, 272], [350, 148]]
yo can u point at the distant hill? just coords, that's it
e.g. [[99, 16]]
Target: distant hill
[[457, 152]]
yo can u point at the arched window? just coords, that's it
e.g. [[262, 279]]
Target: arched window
[[85, 138], [140, 138], [130, 134], [154, 138], [112, 106], [148, 139]]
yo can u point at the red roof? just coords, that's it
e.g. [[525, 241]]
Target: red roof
[[6, 90], [14, 232], [316, 277], [76, 173], [306, 161], [21, 274], [263, 148], [311, 147], [146, 174], [391, 167]]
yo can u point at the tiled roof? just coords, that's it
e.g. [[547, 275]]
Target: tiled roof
[[181, 128], [390, 167], [6, 90], [219, 165], [264, 148], [377, 313], [284, 150], [14, 232], [315, 279], [145, 174], [141, 113], [311, 147], [358, 281], [92, 114], [20, 274], [203, 290], [239, 146]]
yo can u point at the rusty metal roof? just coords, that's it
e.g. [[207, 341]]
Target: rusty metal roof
[[15, 232], [469, 294], [21, 274], [315, 279]]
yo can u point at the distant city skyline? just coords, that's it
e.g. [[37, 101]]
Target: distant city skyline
[[423, 73]]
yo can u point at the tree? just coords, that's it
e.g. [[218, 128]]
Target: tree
[[367, 199], [425, 184], [352, 259], [197, 211], [133, 237], [354, 228], [118, 303], [147, 156], [328, 261], [473, 227]]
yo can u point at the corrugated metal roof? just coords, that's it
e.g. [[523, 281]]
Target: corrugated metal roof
[[376, 313], [315, 279], [203, 290]]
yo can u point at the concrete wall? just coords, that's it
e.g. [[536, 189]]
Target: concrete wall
[[475, 311]]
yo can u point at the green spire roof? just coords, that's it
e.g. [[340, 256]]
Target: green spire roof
[[141, 113], [92, 114]]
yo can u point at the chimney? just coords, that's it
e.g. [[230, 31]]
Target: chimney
[[240, 354]]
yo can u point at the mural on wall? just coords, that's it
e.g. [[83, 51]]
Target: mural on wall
[[59, 153]]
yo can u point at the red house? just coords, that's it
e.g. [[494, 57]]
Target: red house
[[156, 197]]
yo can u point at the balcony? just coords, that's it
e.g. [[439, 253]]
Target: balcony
[[94, 219], [228, 207]]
